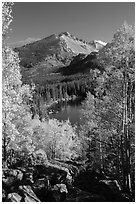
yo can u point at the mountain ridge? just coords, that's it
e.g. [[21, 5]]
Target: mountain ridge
[[47, 55], [22, 42], [62, 34]]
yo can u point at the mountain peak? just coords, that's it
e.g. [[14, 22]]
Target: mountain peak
[[98, 44], [64, 33], [60, 48], [75, 44]]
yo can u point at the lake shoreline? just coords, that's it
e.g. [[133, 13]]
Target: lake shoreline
[[67, 110], [56, 102]]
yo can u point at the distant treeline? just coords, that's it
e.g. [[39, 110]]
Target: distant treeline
[[47, 93]]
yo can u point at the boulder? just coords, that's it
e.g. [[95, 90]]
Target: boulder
[[61, 187], [59, 192], [13, 197], [60, 169], [60, 166], [27, 194]]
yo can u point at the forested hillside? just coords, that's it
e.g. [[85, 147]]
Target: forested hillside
[[47, 160]]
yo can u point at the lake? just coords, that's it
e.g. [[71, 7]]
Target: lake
[[68, 110]]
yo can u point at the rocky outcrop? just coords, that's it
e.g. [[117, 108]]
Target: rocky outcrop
[[27, 194], [36, 183], [13, 197], [58, 181]]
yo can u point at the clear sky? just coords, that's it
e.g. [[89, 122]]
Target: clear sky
[[86, 20]]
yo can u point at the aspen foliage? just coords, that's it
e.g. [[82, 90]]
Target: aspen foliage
[[14, 94], [58, 139], [6, 17], [121, 51], [110, 114]]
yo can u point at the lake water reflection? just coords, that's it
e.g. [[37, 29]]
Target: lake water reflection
[[68, 110]]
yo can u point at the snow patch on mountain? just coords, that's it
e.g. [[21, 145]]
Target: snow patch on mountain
[[101, 42], [77, 46], [98, 44]]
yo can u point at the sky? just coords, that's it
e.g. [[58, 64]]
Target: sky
[[85, 20]]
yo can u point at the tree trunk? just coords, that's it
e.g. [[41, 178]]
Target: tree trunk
[[4, 143], [101, 153], [4, 152], [126, 133]]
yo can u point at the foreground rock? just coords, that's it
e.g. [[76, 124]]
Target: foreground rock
[[57, 181], [23, 194], [35, 183], [27, 194], [13, 197]]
